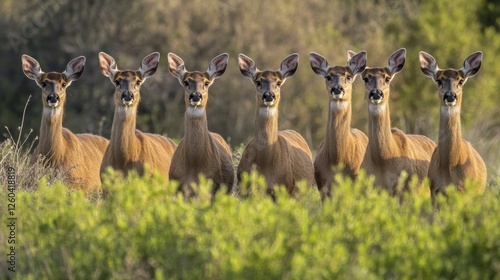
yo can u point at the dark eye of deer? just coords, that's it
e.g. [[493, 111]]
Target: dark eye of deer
[[63, 85], [278, 83], [257, 83], [328, 78], [461, 82], [138, 83], [365, 80], [348, 78], [185, 83], [207, 84], [439, 82], [117, 83], [388, 79], [43, 84]]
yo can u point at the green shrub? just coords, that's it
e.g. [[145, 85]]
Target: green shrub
[[145, 230]]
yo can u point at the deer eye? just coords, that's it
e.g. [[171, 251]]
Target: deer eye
[[388, 79], [185, 83], [43, 84], [461, 82], [207, 84], [348, 78], [258, 83], [278, 83], [439, 82], [365, 80], [117, 83], [328, 78], [138, 83], [64, 85]]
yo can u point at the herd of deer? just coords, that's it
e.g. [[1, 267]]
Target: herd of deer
[[282, 157]]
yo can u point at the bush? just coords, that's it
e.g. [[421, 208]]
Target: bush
[[144, 230]]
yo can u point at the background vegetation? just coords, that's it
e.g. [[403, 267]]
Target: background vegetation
[[55, 31]]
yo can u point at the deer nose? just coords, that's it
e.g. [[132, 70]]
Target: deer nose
[[337, 90], [127, 96], [450, 98], [268, 96], [52, 98], [376, 95], [195, 97]]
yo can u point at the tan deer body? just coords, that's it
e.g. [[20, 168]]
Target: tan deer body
[[130, 149], [200, 151], [342, 145], [390, 151], [79, 154], [454, 159], [282, 157]]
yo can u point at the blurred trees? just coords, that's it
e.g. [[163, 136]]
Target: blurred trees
[[55, 31]]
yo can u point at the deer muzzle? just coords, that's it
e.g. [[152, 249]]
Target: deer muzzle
[[53, 100], [195, 98], [376, 96], [268, 98], [450, 98], [127, 98], [337, 92]]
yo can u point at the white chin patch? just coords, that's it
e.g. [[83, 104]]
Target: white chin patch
[[450, 103], [127, 103], [195, 112], [53, 105], [337, 96], [376, 101], [269, 103], [338, 105], [268, 112], [197, 103]]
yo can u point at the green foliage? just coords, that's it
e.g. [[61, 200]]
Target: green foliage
[[145, 230]]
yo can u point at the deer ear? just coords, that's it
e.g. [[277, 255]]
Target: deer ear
[[176, 66], [107, 64], [356, 61], [31, 67], [247, 66], [289, 65], [75, 67], [397, 61], [218, 66], [318, 64], [149, 65], [428, 64], [472, 64]]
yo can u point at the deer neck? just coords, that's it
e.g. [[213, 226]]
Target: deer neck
[[338, 128], [381, 143], [196, 135], [52, 144], [123, 139], [266, 127], [450, 135]]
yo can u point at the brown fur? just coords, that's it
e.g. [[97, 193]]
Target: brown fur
[[391, 151], [130, 149], [282, 157], [79, 154], [454, 159], [200, 151], [342, 145]]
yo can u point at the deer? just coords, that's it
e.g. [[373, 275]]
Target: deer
[[131, 149], [454, 160], [200, 151], [79, 155], [391, 151], [282, 157], [343, 146]]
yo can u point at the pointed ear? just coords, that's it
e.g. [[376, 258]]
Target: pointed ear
[[289, 65], [428, 64], [397, 61], [149, 65], [356, 61], [247, 66], [472, 64], [31, 67], [108, 65], [176, 66], [218, 66], [75, 67], [318, 64]]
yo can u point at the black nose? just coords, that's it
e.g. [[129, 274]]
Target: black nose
[[52, 98], [376, 94], [337, 89], [127, 96], [195, 97], [268, 96], [450, 97]]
